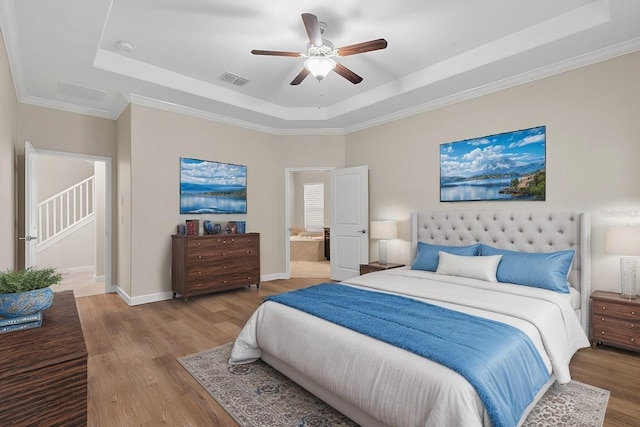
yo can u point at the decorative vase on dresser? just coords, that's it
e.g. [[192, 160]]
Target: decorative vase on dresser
[[211, 263]]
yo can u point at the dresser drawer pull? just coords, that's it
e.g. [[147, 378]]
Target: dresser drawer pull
[[602, 332], [633, 313], [602, 318], [199, 256], [633, 340], [604, 307]]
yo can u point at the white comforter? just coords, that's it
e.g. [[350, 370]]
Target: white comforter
[[390, 384]]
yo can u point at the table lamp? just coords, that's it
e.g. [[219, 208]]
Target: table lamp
[[383, 231], [624, 240]]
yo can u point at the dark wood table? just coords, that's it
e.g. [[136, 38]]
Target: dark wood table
[[43, 371]]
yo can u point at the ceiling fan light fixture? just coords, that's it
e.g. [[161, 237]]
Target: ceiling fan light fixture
[[319, 66]]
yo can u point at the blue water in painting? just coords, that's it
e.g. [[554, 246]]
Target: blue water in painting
[[198, 204], [483, 189]]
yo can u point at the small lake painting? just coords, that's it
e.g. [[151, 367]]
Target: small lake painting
[[506, 166], [208, 187]]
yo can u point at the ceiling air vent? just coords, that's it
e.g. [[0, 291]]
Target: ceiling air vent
[[81, 92], [233, 79]]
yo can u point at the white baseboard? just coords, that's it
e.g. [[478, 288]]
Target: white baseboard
[[274, 276], [144, 299], [86, 268], [163, 296]]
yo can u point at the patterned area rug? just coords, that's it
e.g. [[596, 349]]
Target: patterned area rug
[[257, 395]]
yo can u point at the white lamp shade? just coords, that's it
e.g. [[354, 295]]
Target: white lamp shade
[[384, 230], [319, 66], [622, 240]]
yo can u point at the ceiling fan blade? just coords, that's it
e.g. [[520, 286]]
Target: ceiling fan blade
[[300, 77], [347, 74], [275, 53], [362, 47], [313, 28]]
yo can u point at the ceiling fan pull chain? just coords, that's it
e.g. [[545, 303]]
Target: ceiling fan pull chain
[[320, 95]]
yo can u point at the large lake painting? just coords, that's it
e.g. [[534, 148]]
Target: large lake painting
[[506, 166], [208, 187]]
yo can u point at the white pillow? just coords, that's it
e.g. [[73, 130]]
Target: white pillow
[[473, 267]]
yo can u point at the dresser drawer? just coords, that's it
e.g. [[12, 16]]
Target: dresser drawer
[[202, 245]]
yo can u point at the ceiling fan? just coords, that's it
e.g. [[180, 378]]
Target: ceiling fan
[[321, 53]]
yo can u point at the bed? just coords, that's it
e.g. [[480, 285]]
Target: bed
[[377, 383]]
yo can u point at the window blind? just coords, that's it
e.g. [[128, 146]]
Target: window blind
[[314, 206]]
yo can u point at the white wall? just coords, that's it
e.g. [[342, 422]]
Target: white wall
[[7, 158], [593, 148]]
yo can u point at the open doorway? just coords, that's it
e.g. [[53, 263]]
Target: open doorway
[[72, 213], [307, 222]]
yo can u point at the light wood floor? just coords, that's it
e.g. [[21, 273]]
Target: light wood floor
[[135, 379]]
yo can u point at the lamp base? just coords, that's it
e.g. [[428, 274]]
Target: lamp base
[[628, 277], [383, 252]]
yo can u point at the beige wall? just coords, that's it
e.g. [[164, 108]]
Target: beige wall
[[122, 270], [57, 173], [593, 147], [160, 138], [8, 108], [61, 131]]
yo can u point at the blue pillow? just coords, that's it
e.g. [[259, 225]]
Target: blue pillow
[[428, 258], [546, 270]]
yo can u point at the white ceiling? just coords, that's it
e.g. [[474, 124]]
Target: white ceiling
[[63, 54]]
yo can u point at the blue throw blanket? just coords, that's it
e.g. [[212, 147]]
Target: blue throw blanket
[[500, 361]]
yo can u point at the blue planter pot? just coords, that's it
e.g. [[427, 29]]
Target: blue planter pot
[[25, 303]]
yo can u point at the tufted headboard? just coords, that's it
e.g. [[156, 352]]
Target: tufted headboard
[[525, 231]]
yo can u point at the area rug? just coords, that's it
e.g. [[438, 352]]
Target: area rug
[[257, 395]]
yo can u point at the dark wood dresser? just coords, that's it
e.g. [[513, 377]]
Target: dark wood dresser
[[211, 263], [43, 373], [615, 320]]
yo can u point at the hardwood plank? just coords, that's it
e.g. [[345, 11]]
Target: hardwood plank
[[134, 377]]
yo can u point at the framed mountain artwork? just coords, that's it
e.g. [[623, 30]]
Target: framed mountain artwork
[[208, 187], [504, 166]]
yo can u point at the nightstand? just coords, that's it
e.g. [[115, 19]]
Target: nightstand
[[376, 266], [615, 321]]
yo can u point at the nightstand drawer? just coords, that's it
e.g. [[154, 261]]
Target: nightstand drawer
[[617, 337], [609, 308], [621, 326]]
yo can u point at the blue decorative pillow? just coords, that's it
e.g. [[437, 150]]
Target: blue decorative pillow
[[428, 258], [546, 270]]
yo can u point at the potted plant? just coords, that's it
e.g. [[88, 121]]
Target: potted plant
[[26, 291]]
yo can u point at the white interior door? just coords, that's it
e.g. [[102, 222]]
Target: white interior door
[[349, 221], [30, 205]]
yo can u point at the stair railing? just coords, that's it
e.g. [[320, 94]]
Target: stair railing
[[65, 210]]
